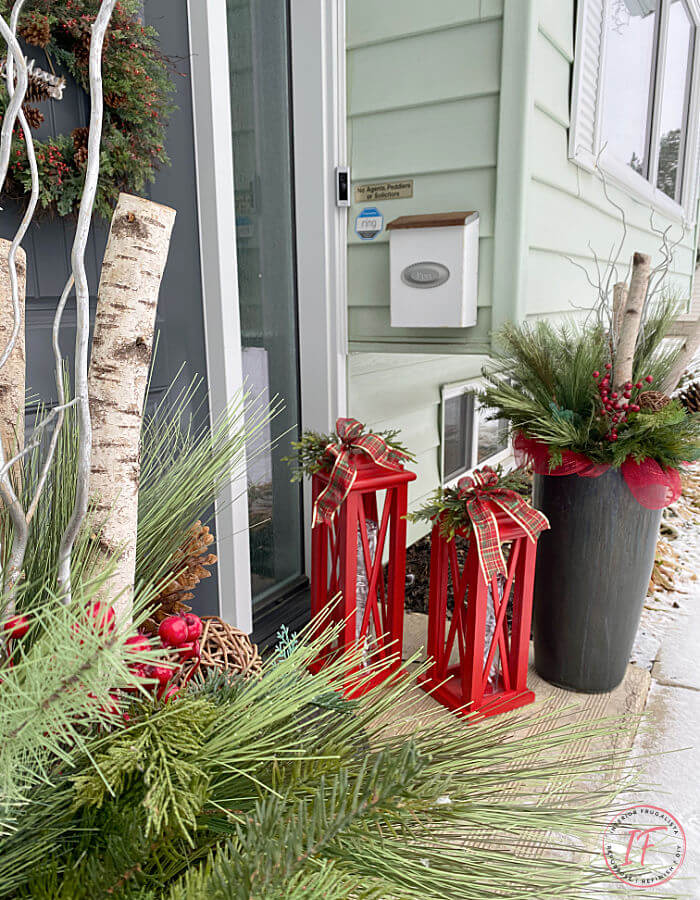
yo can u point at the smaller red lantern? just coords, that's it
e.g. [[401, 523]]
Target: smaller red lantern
[[490, 674]]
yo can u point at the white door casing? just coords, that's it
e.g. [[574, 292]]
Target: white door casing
[[211, 108], [317, 31], [319, 123]]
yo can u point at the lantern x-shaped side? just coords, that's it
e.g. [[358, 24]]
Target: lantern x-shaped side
[[371, 518], [461, 675]]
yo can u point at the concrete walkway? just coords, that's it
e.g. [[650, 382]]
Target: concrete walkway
[[672, 728], [671, 695]]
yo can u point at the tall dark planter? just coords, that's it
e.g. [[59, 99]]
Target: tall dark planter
[[593, 570]]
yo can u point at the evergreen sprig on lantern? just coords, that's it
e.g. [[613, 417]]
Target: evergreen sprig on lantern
[[447, 503], [309, 452], [138, 93]]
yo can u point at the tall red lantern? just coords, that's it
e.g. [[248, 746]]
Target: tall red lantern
[[378, 494], [490, 674]]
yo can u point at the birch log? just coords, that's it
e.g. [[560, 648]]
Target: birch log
[[619, 303], [12, 374], [691, 346], [631, 318], [122, 344]]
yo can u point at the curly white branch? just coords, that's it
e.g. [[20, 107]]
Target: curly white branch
[[62, 405], [36, 437], [16, 92], [87, 203]]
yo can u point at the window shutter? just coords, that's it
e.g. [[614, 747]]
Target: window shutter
[[588, 50]]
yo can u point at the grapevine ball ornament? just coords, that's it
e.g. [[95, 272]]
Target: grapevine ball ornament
[[137, 103], [223, 649]]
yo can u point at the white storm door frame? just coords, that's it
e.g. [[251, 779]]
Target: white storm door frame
[[317, 29], [213, 142]]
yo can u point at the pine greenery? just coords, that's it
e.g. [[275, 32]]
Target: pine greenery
[[59, 686], [57, 691], [183, 470], [309, 452], [449, 506], [542, 381], [253, 789]]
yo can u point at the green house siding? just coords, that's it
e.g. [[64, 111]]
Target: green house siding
[[423, 104], [567, 207], [430, 99], [389, 390]]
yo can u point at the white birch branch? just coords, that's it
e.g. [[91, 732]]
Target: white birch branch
[[87, 203], [631, 318], [690, 348], [619, 303], [122, 345], [12, 374]]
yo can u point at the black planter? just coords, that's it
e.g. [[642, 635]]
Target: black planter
[[592, 575]]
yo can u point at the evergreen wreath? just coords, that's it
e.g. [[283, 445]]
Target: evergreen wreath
[[137, 103]]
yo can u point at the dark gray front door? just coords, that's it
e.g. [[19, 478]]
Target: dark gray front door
[[48, 246]]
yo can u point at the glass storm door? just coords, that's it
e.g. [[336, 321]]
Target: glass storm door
[[258, 36]]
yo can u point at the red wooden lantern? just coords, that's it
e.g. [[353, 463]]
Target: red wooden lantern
[[490, 676], [354, 540]]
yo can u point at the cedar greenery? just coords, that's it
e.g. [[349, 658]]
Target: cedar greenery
[[309, 452], [447, 506], [252, 790], [542, 381], [138, 93]]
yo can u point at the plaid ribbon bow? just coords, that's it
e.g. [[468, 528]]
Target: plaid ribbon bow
[[481, 494], [351, 440]]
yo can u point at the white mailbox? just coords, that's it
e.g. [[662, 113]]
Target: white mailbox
[[434, 270]]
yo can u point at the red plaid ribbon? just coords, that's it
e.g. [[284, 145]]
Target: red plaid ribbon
[[482, 494], [351, 440]]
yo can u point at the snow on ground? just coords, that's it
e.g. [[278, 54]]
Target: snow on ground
[[679, 548]]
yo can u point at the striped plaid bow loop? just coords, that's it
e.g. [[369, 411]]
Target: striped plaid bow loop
[[481, 493], [351, 439]]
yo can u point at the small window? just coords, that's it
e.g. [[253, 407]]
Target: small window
[[635, 97], [458, 434], [469, 437], [492, 437]]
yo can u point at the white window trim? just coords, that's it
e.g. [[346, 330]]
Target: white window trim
[[585, 141], [456, 389]]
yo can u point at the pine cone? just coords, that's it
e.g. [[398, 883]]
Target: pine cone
[[37, 91], [690, 397], [188, 568], [34, 116], [36, 31], [114, 101], [80, 137], [652, 401], [81, 157]]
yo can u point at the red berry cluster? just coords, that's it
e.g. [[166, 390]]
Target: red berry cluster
[[616, 408], [14, 628], [180, 634]]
